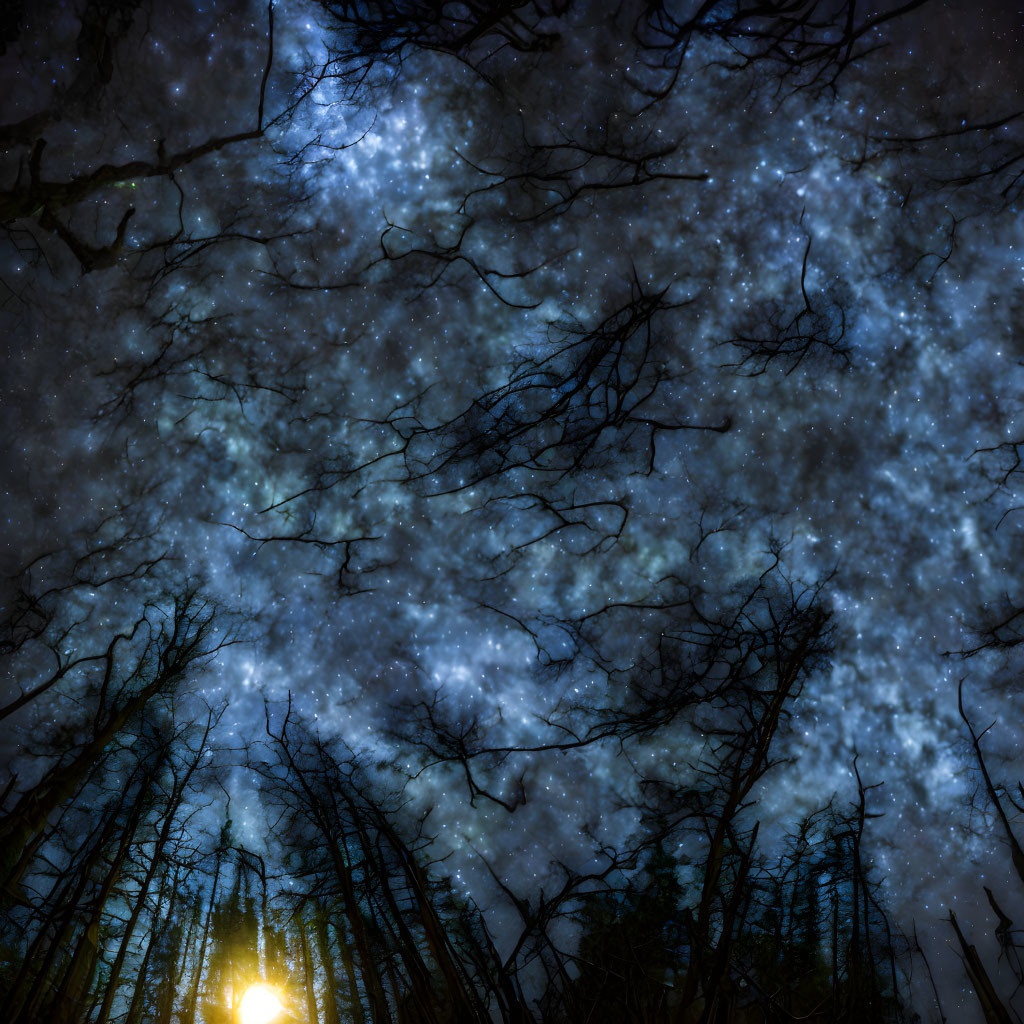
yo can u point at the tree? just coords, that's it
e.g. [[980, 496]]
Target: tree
[[359, 859], [775, 337], [630, 947], [373, 35], [169, 643], [56, 204], [807, 44], [996, 1005], [593, 394]]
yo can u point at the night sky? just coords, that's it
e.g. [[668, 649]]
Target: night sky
[[278, 376]]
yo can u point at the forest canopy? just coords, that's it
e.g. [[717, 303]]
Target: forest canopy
[[512, 512]]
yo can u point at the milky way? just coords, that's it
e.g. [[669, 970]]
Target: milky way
[[280, 377]]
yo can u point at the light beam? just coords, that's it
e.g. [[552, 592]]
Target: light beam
[[260, 1005]]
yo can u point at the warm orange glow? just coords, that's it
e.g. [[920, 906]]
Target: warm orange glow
[[260, 1005]]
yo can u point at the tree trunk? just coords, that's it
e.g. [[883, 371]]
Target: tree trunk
[[307, 974]]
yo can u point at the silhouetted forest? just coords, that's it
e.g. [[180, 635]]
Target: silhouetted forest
[[512, 512]]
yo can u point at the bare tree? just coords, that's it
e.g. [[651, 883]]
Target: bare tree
[[592, 395], [56, 204], [773, 336], [796, 44], [373, 36], [162, 648], [997, 1005]]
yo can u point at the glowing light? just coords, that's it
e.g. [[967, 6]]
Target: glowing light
[[259, 1005]]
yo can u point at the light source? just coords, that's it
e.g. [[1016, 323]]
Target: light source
[[260, 1005]]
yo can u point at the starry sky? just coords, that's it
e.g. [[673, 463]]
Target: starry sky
[[278, 379]]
